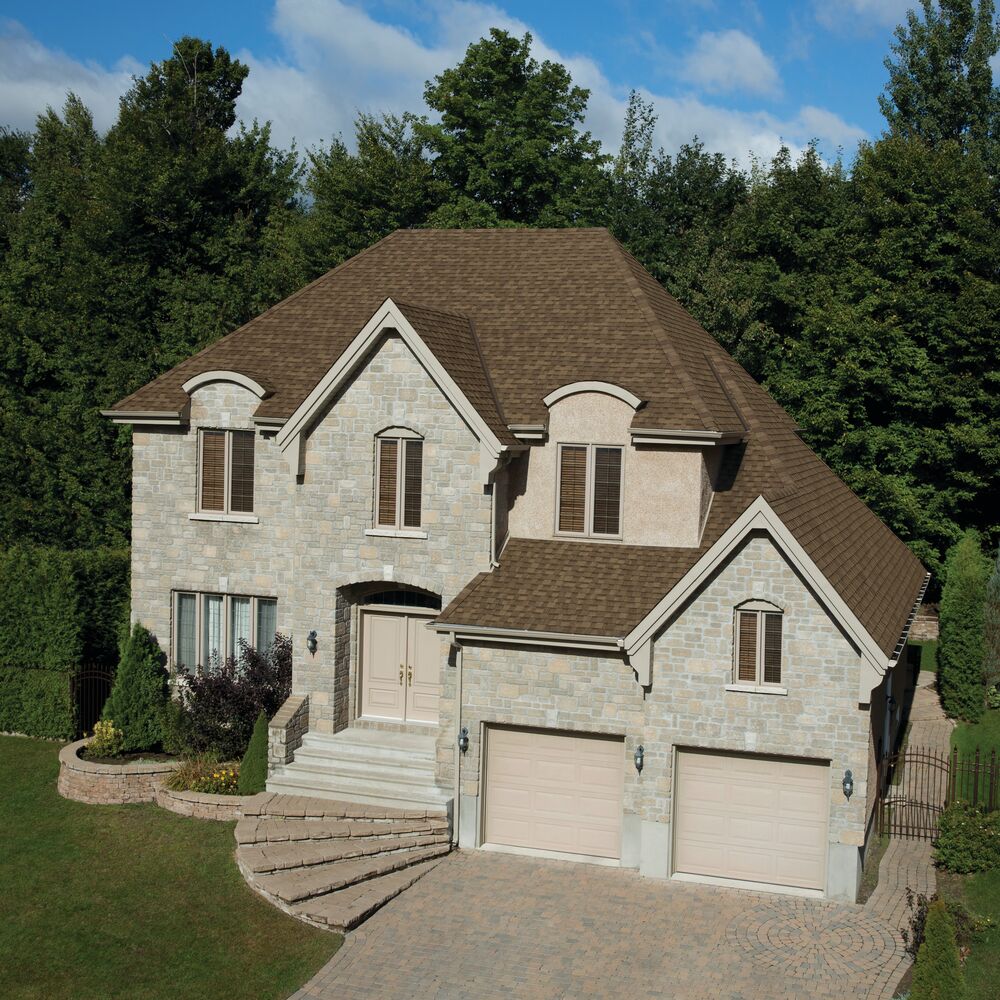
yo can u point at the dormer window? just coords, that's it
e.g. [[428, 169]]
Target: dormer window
[[758, 645], [226, 472], [399, 457], [589, 490]]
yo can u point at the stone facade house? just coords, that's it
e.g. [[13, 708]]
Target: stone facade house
[[550, 558]]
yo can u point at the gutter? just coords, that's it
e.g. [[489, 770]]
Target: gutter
[[901, 645], [530, 637]]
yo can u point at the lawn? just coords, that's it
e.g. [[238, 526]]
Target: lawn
[[928, 655], [981, 895], [984, 734], [131, 901]]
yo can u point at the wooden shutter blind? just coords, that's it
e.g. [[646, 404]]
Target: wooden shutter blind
[[213, 470], [412, 487], [241, 473], [772, 649], [387, 475], [607, 490], [746, 655], [572, 488]]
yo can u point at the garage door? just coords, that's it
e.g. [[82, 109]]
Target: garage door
[[554, 791], [758, 819]]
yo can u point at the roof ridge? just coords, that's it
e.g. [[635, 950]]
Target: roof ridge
[[486, 371]]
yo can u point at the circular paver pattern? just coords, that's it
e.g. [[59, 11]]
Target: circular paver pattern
[[805, 939]]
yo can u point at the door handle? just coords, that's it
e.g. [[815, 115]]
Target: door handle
[[401, 675], [409, 677]]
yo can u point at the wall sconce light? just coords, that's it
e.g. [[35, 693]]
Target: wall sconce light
[[848, 784], [463, 739], [311, 642], [639, 757]]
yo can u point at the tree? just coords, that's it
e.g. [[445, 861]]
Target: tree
[[937, 974], [139, 693], [15, 179], [960, 646], [991, 627], [253, 770], [509, 136]]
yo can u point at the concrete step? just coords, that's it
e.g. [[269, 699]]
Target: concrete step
[[298, 807], [256, 830], [359, 768], [346, 908], [302, 884], [371, 790], [372, 744], [294, 855]]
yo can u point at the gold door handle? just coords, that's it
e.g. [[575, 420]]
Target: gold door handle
[[409, 677], [401, 675]]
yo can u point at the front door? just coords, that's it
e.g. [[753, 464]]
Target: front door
[[400, 667]]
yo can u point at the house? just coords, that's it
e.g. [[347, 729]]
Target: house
[[551, 559]]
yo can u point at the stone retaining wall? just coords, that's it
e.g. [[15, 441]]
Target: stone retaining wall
[[108, 784], [286, 729], [201, 805]]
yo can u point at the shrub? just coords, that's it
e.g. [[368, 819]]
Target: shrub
[[176, 727], [102, 583], [968, 839], [967, 927], [107, 741], [139, 693], [991, 630], [222, 781], [222, 706], [205, 774], [253, 770], [937, 974], [37, 703], [961, 645]]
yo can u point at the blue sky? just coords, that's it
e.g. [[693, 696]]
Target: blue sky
[[745, 75]]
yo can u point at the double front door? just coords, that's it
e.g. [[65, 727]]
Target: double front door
[[400, 667]]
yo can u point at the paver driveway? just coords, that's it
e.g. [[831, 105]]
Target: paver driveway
[[497, 926]]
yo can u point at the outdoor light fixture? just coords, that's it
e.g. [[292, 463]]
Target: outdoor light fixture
[[639, 756], [848, 784], [463, 739], [311, 643]]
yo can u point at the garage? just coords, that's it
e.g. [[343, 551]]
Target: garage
[[752, 819], [554, 791]]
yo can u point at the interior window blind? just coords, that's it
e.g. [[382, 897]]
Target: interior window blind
[[772, 649], [241, 474], [213, 470], [572, 487], [607, 490], [746, 658], [239, 627], [267, 623], [412, 487], [387, 473]]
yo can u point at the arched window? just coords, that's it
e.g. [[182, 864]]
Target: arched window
[[405, 599], [399, 459], [757, 647]]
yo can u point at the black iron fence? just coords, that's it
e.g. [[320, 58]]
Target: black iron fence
[[90, 686]]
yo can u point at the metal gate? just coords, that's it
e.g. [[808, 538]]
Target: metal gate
[[91, 686]]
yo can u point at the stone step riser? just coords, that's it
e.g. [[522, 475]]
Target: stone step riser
[[255, 837], [357, 771], [298, 806], [404, 797], [357, 751], [260, 863]]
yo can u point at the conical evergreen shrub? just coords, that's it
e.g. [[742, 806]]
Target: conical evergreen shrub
[[139, 693], [253, 770], [937, 974]]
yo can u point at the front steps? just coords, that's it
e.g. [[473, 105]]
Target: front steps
[[333, 864], [370, 766]]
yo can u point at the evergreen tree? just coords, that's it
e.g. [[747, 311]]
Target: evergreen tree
[[253, 769], [139, 694], [937, 974], [991, 627]]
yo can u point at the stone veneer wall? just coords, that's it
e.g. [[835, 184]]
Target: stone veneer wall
[[286, 729], [108, 784], [688, 705], [172, 552]]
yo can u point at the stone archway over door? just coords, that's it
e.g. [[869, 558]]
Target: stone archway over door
[[400, 666]]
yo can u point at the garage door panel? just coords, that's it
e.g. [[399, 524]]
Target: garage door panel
[[564, 793], [751, 818]]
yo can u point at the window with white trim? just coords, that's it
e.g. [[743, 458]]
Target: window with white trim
[[757, 647], [209, 628], [225, 472], [589, 490], [399, 460]]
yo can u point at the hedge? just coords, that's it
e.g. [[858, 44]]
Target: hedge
[[968, 839], [937, 974], [36, 703]]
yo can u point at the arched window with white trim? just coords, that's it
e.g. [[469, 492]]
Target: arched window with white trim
[[399, 460], [757, 653]]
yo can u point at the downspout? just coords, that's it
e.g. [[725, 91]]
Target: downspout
[[456, 801]]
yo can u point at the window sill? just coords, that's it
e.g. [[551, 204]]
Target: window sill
[[394, 533], [754, 689], [231, 518]]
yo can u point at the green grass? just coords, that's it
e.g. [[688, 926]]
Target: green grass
[[928, 655], [131, 901], [984, 735], [869, 874], [981, 895]]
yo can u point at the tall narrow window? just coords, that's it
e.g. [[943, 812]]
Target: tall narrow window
[[267, 623], [590, 490], [187, 631], [758, 646], [239, 625], [399, 482], [211, 623], [227, 471]]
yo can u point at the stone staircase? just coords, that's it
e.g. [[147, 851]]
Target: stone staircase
[[371, 766], [333, 864]]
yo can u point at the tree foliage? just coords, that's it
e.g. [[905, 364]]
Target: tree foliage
[[253, 769], [991, 628], [937, 974], [139, 693]]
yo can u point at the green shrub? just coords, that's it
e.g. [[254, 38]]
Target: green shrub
[[991, 628], [37, 703], [961, 645], [968, 839], [205, 774], [253, 770], [176, 728], [107, 740], [102, 582], [937, 974], [139, 694]]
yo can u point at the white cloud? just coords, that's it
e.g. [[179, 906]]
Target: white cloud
[[851, 16], [724, 62], [338, 60]]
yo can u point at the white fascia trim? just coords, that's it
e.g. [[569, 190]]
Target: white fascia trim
[[702, 439], [197, 381], [761, 516], [605, 387], [390, 316], [528, 637], [274, 422]]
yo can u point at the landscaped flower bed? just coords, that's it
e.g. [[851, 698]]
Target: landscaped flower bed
[[109, 783]]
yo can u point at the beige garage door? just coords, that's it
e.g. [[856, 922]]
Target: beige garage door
[[759, 819], [554, 791]]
